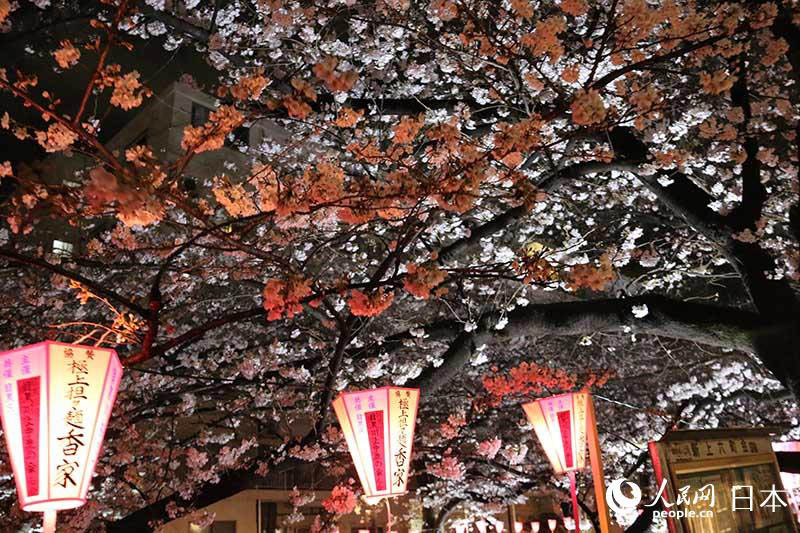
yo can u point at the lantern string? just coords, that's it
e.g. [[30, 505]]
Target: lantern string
[[574, 494], [388, 516], [49, 525], [624, 404]]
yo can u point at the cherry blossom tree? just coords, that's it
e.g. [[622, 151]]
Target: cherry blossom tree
[[492, 201]]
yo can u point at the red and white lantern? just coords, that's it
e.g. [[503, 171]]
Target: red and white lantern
[[56, 401], [378, 426], [561, 423]]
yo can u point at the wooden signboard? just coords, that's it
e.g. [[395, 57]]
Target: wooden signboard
[[721, 481]]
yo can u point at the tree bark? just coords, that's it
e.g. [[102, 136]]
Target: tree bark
[[706, 324]]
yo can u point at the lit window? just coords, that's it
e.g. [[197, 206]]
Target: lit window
[[62, 248]]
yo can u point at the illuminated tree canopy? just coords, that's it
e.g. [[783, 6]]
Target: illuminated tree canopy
[[492, 201]]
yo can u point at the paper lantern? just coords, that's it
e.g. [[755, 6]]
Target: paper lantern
[[565, 424], [378, 425], [56, 400], [518, 527], [552, 523], [560, 422], [535, 526]]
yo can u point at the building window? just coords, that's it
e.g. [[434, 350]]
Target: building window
[[200, 114], [141, 140], [62, 248], [267, 517]]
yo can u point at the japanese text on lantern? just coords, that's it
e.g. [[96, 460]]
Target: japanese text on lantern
[[8, 372], [28, 392], [375, 436], [579, 417], [73, 439], [402, 439]]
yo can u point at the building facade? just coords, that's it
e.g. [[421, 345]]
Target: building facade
[[270, 511]]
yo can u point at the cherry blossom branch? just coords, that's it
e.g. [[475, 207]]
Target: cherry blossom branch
[[754, 193], [192, 30], [411, 233], [550, 183], [192, 335], [678, 199], [154, 300], [689, 202], [111, 35], [778, 346], [95, 287], [333, 373], [705, 324], [41, 26], [107, 156], [652, 60], [198, 332]]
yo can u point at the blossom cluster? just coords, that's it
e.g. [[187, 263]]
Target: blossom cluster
[[372, 304], [341, 501], [67, 56], [211, 135], [283, 297]]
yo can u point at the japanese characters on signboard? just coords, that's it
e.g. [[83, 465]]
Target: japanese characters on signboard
[[695, 450], [720, 480]]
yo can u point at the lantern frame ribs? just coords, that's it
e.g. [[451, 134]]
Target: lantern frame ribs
[[565, 424], [55, 403], [378, 426]]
